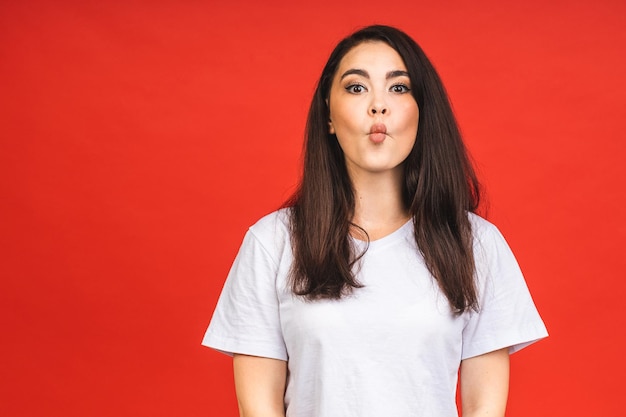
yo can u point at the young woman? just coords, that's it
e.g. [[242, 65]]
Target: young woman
[[376, 283]]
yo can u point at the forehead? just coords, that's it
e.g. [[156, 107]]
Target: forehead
[[373, 54]]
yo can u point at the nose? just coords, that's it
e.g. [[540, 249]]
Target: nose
[[378, 110], [378, 105]]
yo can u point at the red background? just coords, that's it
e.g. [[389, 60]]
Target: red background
[[140, 140]]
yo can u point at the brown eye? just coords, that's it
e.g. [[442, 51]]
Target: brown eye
[[355, 88], [400, 88]]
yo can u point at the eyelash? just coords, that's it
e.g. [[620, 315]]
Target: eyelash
[[405, 88], [350, 88]]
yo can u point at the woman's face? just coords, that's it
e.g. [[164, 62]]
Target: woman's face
[[372, 111]]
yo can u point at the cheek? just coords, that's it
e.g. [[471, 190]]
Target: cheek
[[411, 115], [344, 120], [409, 124], [411, 120]]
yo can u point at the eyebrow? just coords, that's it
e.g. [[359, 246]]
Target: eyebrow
[[363, 73]]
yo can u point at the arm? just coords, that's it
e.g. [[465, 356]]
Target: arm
[[485, 384], [260, 386]]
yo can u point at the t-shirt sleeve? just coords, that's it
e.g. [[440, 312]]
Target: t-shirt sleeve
[[507, 316], [246, 319]]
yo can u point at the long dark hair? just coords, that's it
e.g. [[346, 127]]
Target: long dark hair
[[440, 188]]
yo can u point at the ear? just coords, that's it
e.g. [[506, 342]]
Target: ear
[[331, 128]]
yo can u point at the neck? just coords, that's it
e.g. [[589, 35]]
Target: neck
[[379, 208]]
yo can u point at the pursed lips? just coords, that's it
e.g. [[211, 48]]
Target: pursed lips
[[378, 132]]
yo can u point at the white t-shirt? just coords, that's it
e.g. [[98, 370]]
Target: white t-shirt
[[391, 349]]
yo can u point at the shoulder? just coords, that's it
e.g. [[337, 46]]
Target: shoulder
[[271, 232], [490, 246], [495, 261], [272, 226], [485, 233], [482, 227]]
